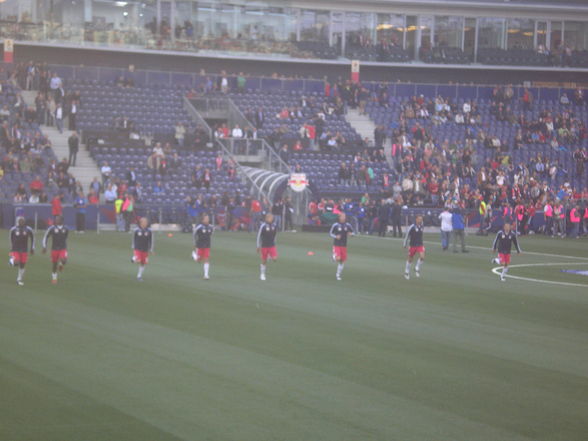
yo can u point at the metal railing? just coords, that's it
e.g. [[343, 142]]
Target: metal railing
[[220, 146], [273, 160]]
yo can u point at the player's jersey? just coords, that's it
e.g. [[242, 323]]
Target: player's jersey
[[202, 235], [58, 234], [19, 239], [414, 236], [143, 240], [341, 230], [504, 241], [266, 236]]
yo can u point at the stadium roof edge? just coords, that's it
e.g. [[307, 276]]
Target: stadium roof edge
[[514, 5]]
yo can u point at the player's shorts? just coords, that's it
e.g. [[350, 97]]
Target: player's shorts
[[413, 250], [203, 253], [340, 253], [504, 258], [269, 253], [57, 255], [19, 257], [141, 257]]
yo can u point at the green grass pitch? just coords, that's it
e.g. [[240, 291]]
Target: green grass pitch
[[455, 355]]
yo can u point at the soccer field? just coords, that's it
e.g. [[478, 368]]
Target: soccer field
[[454, 355]]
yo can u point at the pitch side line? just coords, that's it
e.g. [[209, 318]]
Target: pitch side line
[[496, 270], [481, 248]]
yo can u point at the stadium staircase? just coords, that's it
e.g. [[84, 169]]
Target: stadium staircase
[[365, 127], [86, 168], [262, 169]]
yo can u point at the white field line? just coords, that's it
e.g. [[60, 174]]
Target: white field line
[[489, 247], [497, 270]]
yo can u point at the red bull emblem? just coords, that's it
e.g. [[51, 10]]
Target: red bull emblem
[[298, 181]]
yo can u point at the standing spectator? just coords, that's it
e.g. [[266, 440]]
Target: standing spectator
[[458, 230], [383, 213], [396, 218], [56, 207], [446, 227], [277, 210], [59, 117], [73, 113], [180, 134], [110, 194], [74, 146], [106, 171], [81, 204], [575, 219]]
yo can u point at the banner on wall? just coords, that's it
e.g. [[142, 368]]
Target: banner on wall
[[8, 50], [355, 71]]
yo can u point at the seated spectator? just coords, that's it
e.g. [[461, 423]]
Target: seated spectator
[[20, 195], [158, 188], [94, 198], [36, 186], [564, 100]]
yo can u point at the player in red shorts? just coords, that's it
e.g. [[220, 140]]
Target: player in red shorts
[[503, 243], [142, 246], [414, 241], [20, 235], [339, 232], [202, 236], [266, 243], [58, 234]]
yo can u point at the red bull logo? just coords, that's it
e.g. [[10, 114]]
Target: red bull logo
[[298, 181]]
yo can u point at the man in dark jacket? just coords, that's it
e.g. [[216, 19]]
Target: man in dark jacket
[[74, 145], [383, 213], [396, 218]]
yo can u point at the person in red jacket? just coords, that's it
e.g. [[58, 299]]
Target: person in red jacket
[[56, 207]]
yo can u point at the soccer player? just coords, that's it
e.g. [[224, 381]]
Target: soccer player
[[414, 239], [503, 243], [202, 235], [142, 246], [339, 232], [58, 234], [266, 243], [19, 240]]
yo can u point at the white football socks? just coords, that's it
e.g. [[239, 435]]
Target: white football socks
[[417, 267], [21, 272], [340, 268], [141, 269], [407, 267], [504, 271], [206, 267], [262, 269]]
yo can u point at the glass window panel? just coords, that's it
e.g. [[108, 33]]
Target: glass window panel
[[556, 39], [426, 25], [359, 29], [541, 30], [491, 33], [576, 35], [520, 33], [314, 25], [390, 29], [469, 36], [266, 23], [411, 21], [448, 31]]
